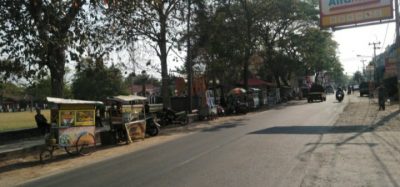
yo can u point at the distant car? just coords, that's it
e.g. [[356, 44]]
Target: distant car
[[356, 87], [317, 92], [364, 89]]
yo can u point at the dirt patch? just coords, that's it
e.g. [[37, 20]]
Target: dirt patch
[[364, 155]]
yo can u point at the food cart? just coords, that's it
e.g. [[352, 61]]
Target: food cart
[[237, 101], [72, 127], [127, 118]]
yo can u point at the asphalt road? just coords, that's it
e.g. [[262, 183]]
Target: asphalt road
[[268, 148]]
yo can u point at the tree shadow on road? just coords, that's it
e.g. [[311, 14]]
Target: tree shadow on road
[[289, 104], [316, 129], [6, 167], [311, 129], [357, 130], [223, 126], [32, 159], [372, 128]]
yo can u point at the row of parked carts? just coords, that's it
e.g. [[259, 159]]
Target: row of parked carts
[[76, 125]]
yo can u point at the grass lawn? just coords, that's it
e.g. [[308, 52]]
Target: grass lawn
[[20, 120]]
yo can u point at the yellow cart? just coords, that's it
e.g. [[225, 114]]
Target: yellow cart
[[72, 127], [127, 118]]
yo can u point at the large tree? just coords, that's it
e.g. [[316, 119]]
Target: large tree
[[42, 35], [264, 28], [156, 21]]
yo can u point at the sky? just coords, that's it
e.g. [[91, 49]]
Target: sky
[[355, 41]]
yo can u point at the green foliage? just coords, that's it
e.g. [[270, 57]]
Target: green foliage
[[284, 33], [38, 36], [97, 83], [156, 21], [11, 89], [40, 89]]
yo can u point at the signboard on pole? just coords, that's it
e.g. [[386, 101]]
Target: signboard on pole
[[345, 12], [390, 67]]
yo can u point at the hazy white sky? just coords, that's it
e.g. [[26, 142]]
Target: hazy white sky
[[353, 42]]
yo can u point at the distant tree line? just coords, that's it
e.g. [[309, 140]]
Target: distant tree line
[[39, 37]]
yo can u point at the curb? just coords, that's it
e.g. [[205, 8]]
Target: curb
[[20, 152]]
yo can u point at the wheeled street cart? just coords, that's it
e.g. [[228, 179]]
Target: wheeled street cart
[[72, 127]]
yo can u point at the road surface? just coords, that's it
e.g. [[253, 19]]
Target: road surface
[[270, 148]]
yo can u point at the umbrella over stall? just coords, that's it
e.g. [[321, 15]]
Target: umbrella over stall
[[237, 91]]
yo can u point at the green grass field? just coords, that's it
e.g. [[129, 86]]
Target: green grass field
[[20, 120]]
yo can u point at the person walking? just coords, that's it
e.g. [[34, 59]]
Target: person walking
[[381, 97]]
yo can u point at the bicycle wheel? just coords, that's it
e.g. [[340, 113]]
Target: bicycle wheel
[[86, 144], [185, 120], [46, 155]]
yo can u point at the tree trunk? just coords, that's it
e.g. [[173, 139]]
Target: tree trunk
[[246, 70], [164, 67], [57, 82], [278, 83], [247, 50], [56, 64], [144, 89]]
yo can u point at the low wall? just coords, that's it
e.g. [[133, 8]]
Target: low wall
[[18, 134]]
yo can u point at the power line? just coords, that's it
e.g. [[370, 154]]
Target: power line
[[374, 59]]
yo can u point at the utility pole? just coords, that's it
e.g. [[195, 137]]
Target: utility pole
[[363, 68], [189, 60], [375, 48], [396, 16]]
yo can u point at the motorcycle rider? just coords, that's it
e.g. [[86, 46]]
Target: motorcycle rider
[[339, 94]]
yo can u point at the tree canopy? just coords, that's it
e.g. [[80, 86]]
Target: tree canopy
[[97, 82], [41, 36]]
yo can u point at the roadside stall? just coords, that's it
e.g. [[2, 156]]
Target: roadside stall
[[72, 127], [127, 118], [237, 101]]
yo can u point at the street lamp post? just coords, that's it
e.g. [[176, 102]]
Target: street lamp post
[[363, 60]]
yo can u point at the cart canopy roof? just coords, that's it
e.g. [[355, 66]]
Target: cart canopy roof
[[127, 98], [71, 101]]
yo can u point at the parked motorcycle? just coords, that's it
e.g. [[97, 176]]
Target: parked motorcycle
[[237, 107], [169, 116], [152, 127], [339, 95]]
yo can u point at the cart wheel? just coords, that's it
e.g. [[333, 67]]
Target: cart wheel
[[86, 144], [185, 120], [46, 155]]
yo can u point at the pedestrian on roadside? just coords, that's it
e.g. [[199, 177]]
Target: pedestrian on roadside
[[381, 97], [147, 107], [41, 122], [349, 90]]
